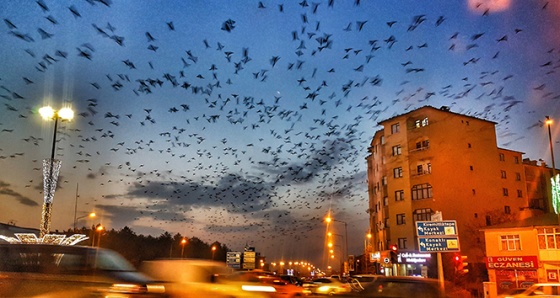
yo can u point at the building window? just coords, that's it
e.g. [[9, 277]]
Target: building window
[[549, 238], [503, 174], [397, 172], [401, 219], [397, 150], [421, 191], [395, 128], [471, 167], [488, 220], [517, 176], [382, 139], [384, 180], [386, 223], [423, 145], [399, 195], [516, 159], [469, 145], [421, 122], [402, 243], [519, 193], [507, 210], [424, 214], [502, 157], [505, 192], [424, 169], [510, 242]]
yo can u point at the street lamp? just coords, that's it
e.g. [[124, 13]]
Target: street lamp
[[51, 167], [91, 215], [183, 242], [329, 219], [213, 251], [99, 229], [548, 123]]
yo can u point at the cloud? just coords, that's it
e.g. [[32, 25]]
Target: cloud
[[5, 190]]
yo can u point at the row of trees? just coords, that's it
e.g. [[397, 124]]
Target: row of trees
[[137, 248]]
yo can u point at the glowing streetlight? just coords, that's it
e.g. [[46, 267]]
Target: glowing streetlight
[[329, 219], [51, 167], [183, 242], [99, 229], [213, 251], [91, 215]]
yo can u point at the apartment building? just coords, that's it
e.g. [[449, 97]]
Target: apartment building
[[432, 159]]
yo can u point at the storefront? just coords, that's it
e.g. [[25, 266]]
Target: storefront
[[511, 272]]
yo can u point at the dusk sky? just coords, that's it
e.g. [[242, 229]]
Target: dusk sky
[[245, 122]]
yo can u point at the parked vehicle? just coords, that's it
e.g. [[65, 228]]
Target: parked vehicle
[[70, 271]]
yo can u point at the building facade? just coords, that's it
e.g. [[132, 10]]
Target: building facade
[[432, 159], [523, 252]]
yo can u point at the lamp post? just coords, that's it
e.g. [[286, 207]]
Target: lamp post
[[99, 229], [51, 166], [183, 242], [91, 215], [213, 251], [328, 220], [548, 123]]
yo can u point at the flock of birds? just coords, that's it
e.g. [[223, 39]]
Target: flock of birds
[[224, 132]]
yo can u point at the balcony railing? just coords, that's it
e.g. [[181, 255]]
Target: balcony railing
[[419, 149]]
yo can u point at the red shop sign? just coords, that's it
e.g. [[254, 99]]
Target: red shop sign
[[512, 262]]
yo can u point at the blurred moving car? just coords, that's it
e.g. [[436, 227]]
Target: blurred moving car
[[195, 278], [401, 286], [539, 290], [52, 270], [329, 286], [262, 279], [358, 282]]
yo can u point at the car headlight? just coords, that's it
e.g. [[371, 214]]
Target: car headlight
[[254, 288]]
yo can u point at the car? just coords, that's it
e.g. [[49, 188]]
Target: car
[[198, 278], [269, 283], [401, 286], [358, 282], [329, 286], [539, 290], [51, 270], [512, 292]]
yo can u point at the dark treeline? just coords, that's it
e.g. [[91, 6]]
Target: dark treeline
[[137, 248]]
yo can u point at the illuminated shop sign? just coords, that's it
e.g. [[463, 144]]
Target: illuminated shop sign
[[555, 182], [514, 262], [408, 257]]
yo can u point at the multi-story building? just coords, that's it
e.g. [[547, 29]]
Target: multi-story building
[[430, 160]]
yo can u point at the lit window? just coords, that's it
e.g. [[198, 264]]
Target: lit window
[[399, 195], [421, 122], [384, 180], [395, 128], [510, 242], [401, 219], [397, 150], [397, 172], [548, 238]]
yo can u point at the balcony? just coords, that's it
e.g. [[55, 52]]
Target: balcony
[[423, 148]]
